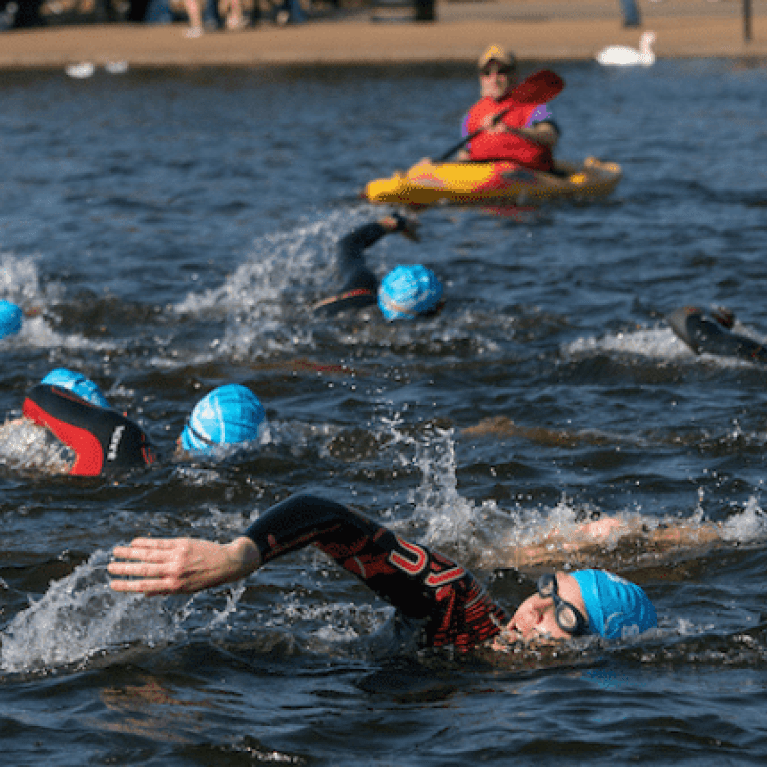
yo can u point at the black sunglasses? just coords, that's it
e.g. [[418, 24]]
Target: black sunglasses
[[569, 618], [487, 70]]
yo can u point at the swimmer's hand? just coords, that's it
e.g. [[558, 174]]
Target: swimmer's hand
[[158, 566], [407, 226]]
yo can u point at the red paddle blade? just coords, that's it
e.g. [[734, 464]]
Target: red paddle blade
[[538, 88]]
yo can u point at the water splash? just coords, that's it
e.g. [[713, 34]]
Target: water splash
[[78, 617], [27, 446], [286, 272], [646, 342], [566, 534], [747, 526], [19, 281]]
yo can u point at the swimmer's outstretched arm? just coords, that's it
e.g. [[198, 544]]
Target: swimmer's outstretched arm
[[559, 546], [420, 583], [158, 566], [352, 247]]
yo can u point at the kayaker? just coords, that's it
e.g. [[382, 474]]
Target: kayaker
[[711, 333], [406, 292], [442, 601], [525, 133], [96, 440]]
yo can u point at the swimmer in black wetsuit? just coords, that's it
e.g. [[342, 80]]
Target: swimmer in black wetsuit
[[711, 333], [104, 441], [406, 292], [449, 604]]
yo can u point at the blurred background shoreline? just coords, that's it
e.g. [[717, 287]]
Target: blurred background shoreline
[[380, 32]]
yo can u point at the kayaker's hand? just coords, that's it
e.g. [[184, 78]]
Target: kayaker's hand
[[493, 124]]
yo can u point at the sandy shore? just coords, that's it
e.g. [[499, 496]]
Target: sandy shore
[[553, 30]]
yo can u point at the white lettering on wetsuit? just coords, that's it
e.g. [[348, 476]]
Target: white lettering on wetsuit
[[114, 442]]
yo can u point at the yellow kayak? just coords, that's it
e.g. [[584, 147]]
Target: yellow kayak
[[497, 182]]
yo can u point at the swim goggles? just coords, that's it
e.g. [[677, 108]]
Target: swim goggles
[[569, 618]]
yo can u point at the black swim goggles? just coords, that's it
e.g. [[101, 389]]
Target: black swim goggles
[[569, 618]]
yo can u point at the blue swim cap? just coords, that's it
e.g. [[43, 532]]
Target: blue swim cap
[[229, 415], [78, 384], [408, 291], [616, 607], [10, 319]]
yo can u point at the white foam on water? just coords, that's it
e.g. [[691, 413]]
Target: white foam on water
[[285, 274], [78, 617], [276, 263], [37, 332], [20, 283], [25, 445], [486, 534], [660, 342], [18, 279], [339, 622], [747, 526]]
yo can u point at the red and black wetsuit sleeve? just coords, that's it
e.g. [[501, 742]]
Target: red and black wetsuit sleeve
[[420, 583], [103, 440], [360, 285]]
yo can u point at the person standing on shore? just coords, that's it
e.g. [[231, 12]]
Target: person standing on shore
[[523, 133], [630, 11]]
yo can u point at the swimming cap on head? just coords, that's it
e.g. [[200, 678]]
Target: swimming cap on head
[[78, 384], [10, 319], [408, 291], [616, 607], [229, 415]]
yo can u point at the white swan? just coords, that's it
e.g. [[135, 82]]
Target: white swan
[[623, 56], [81, 71]]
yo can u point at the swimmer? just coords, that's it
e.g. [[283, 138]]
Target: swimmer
[[502, 426], [100, 441], [446, 601], [10, 319], [229, 416], [74, 410], [404, 293], [712, 333]]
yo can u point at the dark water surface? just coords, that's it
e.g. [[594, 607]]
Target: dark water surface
[[171, 230]]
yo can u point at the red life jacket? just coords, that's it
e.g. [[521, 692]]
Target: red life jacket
[[506, 146]]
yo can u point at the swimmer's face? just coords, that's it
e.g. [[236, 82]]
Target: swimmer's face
[[535, 618]]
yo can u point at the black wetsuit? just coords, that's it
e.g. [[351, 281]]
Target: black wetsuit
[[360, 286], [705, 335], [424, 585], [104, 441]]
